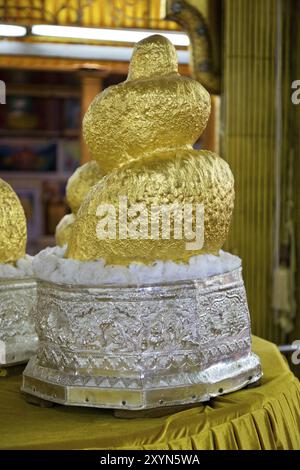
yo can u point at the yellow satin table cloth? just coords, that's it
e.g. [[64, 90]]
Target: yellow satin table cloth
[[266, 417]]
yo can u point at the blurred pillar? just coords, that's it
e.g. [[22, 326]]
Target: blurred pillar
[[91, 85], [210, 139], [294, 125], [255, 142]]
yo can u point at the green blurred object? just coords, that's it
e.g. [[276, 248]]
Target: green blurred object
[[20, 114]]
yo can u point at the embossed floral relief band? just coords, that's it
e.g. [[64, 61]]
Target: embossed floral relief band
[[142, 347], [17, 308]]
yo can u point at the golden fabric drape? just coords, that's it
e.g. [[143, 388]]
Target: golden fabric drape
[[265, 417]]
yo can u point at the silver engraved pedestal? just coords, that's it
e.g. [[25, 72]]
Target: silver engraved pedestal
[[18, 340], [142, 347]]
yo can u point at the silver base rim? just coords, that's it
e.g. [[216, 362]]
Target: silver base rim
[[232, 375], [19, 355]]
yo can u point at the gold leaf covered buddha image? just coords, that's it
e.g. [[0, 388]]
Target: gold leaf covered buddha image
[[17, 286], [126, 319], [13, 226], [79, 184], [141, 133]]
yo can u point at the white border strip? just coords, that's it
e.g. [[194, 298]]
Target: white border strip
[[75, 51]]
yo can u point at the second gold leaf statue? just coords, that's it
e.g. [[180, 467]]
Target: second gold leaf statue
[[13, 235], [79, 184]]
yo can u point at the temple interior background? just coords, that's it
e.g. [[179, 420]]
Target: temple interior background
[[246, 53]]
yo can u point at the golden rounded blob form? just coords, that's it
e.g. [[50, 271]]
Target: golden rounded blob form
[[154, 109], [141, 132], [13, 235], [63, 229], [152, 56], [79, 184], [189, 176]]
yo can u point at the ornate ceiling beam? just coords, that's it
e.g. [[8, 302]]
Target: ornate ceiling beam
[[201, 19]]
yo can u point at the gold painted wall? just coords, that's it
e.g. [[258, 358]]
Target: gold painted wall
[[98, 13], [89, 13], [250, 146]]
